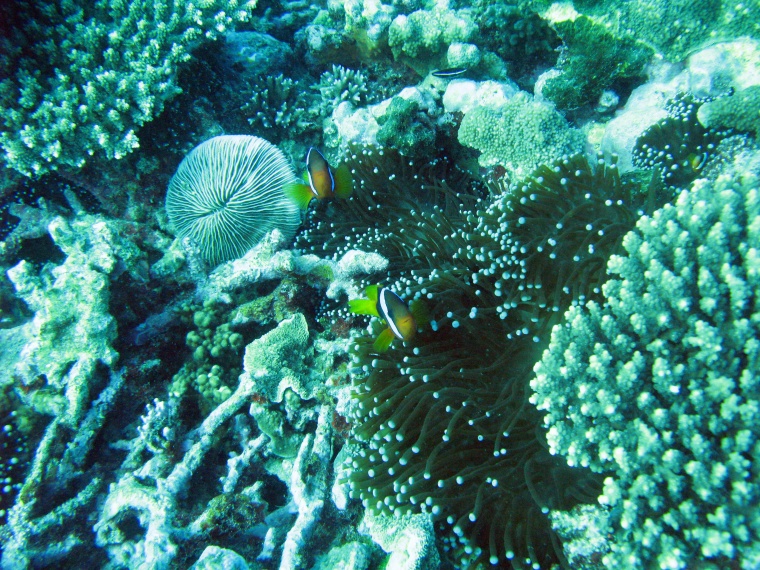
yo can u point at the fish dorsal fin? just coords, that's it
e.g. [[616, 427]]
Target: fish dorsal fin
[[420, 312], [372, 292], [366, 306]]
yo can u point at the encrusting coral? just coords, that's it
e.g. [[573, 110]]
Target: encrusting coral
[[519, 135], [657, 386]]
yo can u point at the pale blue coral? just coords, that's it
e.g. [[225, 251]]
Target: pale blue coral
[[658, 386], [112, 68]]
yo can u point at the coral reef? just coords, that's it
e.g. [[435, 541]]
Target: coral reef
[[200, 395]]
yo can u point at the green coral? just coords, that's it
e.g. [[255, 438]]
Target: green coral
[[81, 78], [426, 34], [407, 128], [592, 60], [658, 386], [216, 351], [520, 135], [517, 35], [740, 111], [676, 29]]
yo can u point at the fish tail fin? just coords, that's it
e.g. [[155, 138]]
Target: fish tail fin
[[299, 193], [363, 307], [366, 306], [344, 184], [383, 340]]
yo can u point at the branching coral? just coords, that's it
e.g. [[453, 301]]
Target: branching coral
[[340, 84], [279, 108], [80, 79], [659, 384]]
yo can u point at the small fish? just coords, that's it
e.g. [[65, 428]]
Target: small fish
[[696, 161], [323, 181], [450, 72], [402, 320]]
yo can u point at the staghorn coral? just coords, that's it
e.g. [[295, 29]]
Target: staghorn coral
[[340, 84], [81, 78], [658, 385], [280, 107], [443, 426], [73, 331]]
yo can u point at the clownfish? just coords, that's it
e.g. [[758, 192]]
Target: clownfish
[[323, 181], [402, 321]]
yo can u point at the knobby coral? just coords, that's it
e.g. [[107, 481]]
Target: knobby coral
[[658, 386]]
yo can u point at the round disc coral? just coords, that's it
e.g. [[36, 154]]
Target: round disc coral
[[227, 194]]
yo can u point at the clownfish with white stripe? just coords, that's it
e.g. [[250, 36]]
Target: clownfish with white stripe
[[321, 181], [402, 320]]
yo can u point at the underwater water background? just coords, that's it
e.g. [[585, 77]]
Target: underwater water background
[[364, 284]]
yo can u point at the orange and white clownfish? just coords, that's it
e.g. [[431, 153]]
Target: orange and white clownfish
[[402, 320], [323, 181]]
